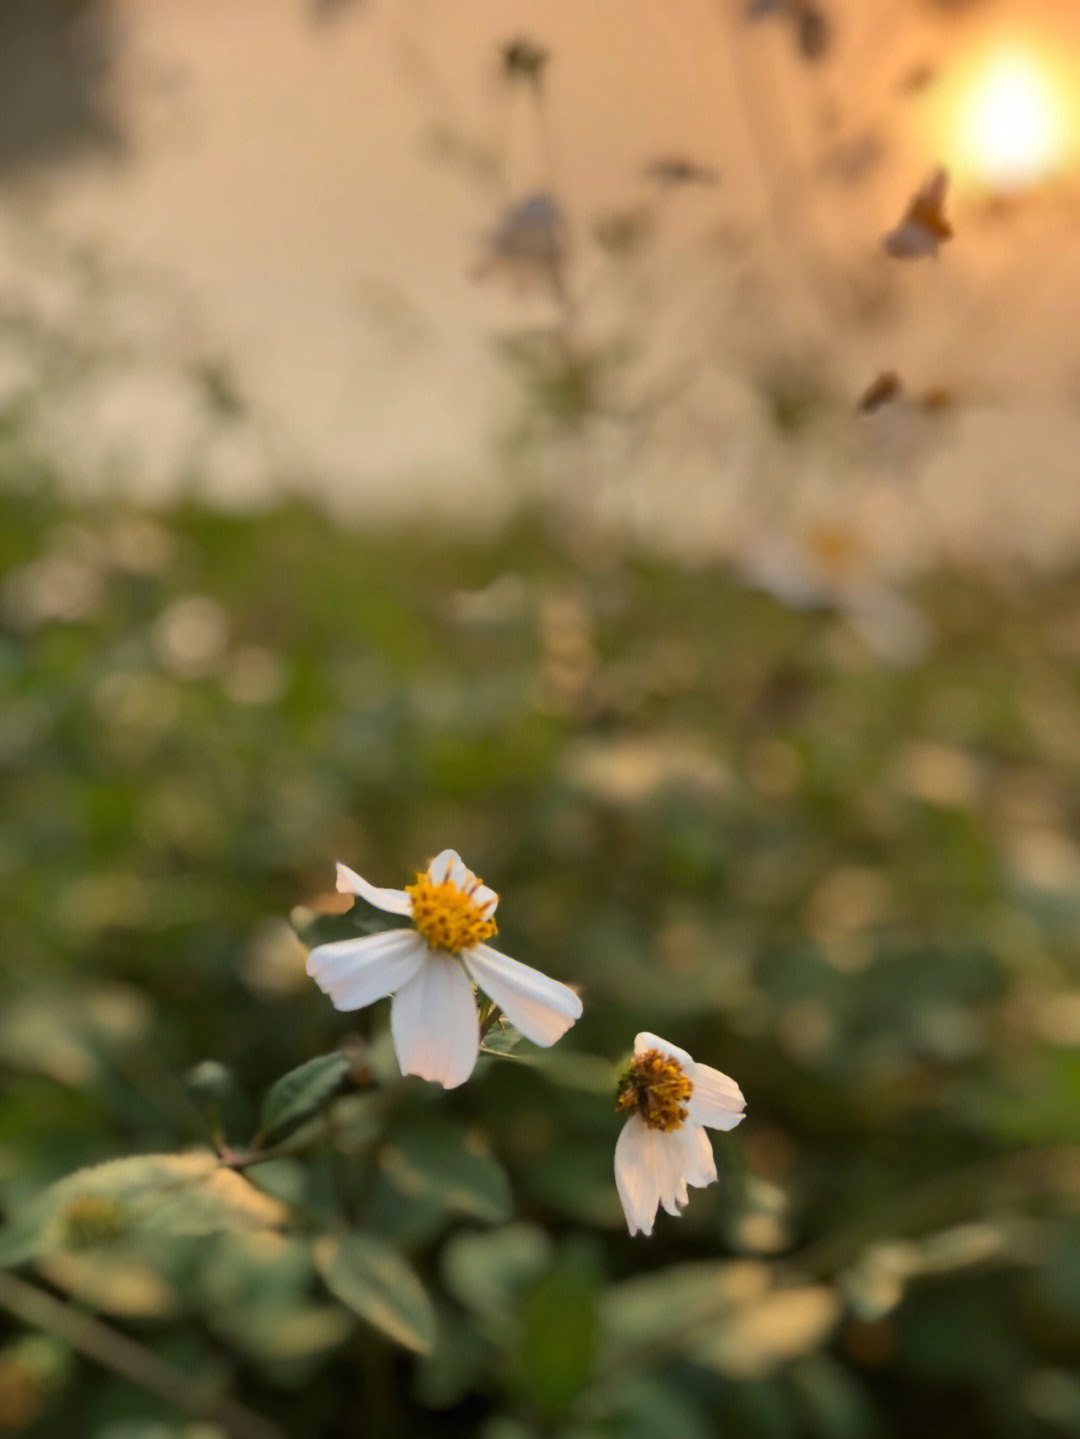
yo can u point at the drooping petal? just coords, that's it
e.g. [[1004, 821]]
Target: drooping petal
[[393, 901], [716, 1100], [357, 972], [542, 1008], [435, 1023], [635, 1176], [668, 1156], [695, 1158], [645, 1041]]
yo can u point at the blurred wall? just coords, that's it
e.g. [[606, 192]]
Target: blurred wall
[[289, 231]]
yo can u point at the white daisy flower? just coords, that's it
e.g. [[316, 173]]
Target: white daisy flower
[[431, 969], [663, 1146]]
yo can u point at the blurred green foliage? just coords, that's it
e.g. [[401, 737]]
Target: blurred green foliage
[[852, 886]]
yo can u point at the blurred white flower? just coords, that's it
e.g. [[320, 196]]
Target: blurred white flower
[[830, 567], [52, 587], [663, 1146], [430, 970], [191, 637]]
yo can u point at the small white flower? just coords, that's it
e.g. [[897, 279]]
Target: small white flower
[[663, 1146], [431, 969]]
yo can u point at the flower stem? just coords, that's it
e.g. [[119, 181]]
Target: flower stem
[[489, 1020]]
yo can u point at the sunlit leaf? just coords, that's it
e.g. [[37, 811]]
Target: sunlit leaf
[[168, 1195], [668, 1309], [487, 1272], [449, 1167], [377, 1283]]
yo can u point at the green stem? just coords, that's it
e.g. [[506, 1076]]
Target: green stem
[[489, 1020]]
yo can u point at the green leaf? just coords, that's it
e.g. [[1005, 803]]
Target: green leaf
[[488, 1271], [440, 1164], [374, 1281], [661, 1313], [644, 1406], [456, 1366], [297, 1095], [173, 1195], [834, 1404], [502, 1038], [556, 1346]]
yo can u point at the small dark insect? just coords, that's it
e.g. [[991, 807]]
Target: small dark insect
[[677, 170], [523, 59], [885, 388], [923, 226]]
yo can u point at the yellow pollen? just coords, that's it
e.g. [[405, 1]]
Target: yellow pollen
[[448, 917], [657, 1088]]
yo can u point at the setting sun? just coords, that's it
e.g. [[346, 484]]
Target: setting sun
[[1012, 120]]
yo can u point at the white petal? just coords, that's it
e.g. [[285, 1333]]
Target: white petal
[[696, 1162], [668, 1159], [435, 1024], [485, 899], [645, 1041], [542, 1008], [635, 1176], [716, 1100], [448, 865], [356, 972], [393, 901]]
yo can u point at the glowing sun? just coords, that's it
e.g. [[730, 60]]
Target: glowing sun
[[1012, 120]]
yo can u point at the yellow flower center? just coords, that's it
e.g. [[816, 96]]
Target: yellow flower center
[[657, 1088], [448, 917]]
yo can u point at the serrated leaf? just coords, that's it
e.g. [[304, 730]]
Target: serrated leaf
[[296, 1096], [376, 1283], [173, 1195], [442, 1165]]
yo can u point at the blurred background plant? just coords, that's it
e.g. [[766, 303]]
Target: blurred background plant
[[813, 821]]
